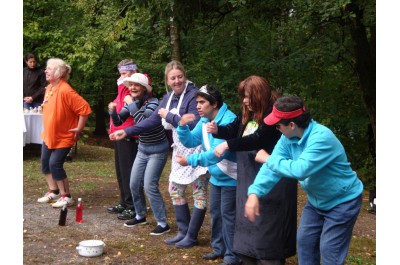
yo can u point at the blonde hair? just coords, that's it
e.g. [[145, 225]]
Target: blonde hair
[[62, 70], [125, 62], [171, 66]]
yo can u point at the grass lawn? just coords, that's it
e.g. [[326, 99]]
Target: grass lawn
[[92, 177]]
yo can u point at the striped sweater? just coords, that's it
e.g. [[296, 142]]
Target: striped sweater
[[139, 112]]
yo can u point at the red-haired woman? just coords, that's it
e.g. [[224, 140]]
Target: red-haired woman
[[272, 237]]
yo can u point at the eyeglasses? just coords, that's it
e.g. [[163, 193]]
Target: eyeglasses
[[278, 126]]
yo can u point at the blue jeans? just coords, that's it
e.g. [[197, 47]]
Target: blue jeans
[[53, 161], [223, 212], [326, 235], [146, 171]]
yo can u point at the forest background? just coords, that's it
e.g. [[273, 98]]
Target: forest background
[[324, 51]]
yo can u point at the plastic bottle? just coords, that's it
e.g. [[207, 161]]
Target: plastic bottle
[[63, 216], [79, 211]]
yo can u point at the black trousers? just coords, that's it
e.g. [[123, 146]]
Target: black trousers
[[125, 152]]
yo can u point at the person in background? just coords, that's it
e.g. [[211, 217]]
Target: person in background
[[125, 150], [181, 100], [272, 237], [310, 153], [34, 80], [152, 153], [65, 114], [222, 170]]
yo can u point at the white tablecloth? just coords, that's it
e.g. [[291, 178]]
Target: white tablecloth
[[33, 127]]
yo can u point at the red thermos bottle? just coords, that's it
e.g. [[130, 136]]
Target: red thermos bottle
[[79, 211]]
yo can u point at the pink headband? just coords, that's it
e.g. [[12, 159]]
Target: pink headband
[[276, 115], [289, 114], [128, 67]]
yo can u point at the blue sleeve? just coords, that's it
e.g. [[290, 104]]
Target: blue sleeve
[[150, 123], [119, 118], [151, 107], [133, 107], [265, 180], [190, 102], [207, 158], [320, 150], [190, 138], [145, 111]]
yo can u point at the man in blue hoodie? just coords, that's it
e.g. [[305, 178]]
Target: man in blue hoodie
[[222, 170], [311, 153]]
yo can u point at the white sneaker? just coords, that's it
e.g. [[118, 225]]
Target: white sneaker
[[63, 201], [49, 197]]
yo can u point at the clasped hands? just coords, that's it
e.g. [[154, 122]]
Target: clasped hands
[[117, 135], [28, 99]]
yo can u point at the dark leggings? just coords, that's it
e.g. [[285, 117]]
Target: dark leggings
[[53, 161]]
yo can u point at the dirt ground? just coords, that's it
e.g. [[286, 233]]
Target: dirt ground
[[47, 243]]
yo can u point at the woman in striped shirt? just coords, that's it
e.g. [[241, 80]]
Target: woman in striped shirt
[[152, 153]]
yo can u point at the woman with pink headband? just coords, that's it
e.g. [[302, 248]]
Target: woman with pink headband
[[310, 153], [126, 149]]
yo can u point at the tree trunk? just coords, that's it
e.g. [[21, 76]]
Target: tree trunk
[[100, 127], [365, 52], [175, 40]]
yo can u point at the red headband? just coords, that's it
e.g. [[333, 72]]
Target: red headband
[[276, 115]]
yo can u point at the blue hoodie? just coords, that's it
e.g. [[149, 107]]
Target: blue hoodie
[[222, 169], [318, 161]]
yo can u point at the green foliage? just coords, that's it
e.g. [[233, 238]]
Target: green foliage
[[301, 47]]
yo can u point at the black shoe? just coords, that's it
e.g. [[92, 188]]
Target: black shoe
[[116, 209], [372, 210], [126, 215], [212, 256], [135, 222], [159, 230]]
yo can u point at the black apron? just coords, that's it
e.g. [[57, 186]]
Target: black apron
[[273, 234]]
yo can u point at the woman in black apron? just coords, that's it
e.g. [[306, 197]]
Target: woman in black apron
[[272, 237]]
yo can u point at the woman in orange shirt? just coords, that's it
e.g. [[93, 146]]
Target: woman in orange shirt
[[65, 114]]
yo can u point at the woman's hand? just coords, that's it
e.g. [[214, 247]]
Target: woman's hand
[[187, 118], [163, 113], [261, 156], [181, 160], [76, 132], [117, 135], [81, 125], [220, 149], [128, 99], [112, 106], [28, 99], [252, 208], [212, 127]]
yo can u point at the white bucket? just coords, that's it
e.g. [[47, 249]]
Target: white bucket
[[90, 248]]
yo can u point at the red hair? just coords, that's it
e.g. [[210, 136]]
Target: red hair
[[261, 97]]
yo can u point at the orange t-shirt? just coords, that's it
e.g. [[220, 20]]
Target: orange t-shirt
[[60, 114]]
